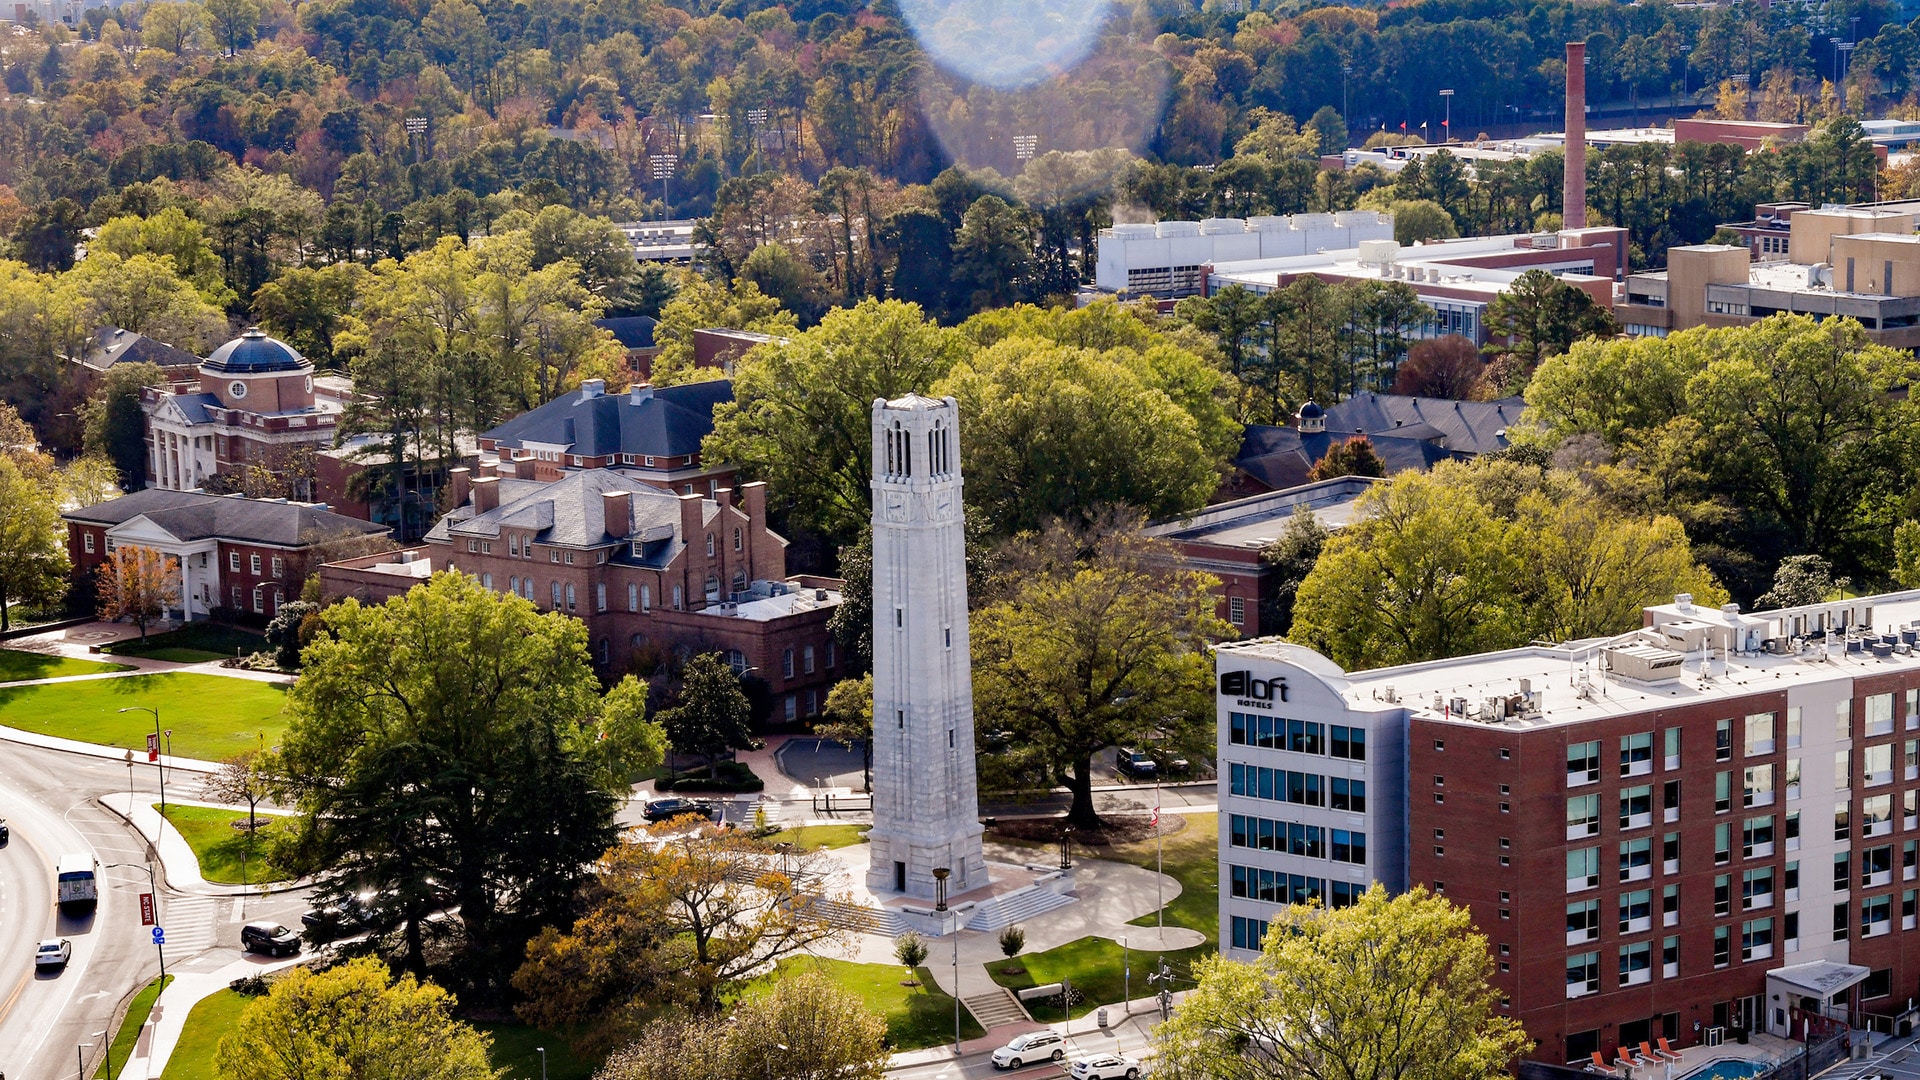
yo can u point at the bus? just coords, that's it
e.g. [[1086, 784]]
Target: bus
[[79, 887]]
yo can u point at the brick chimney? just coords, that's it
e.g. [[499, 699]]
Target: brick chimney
[[1574, 186], [486, 493], [523, 467], [617, 508], [693, 523], [723, 496], [489, 468], [457, 479]]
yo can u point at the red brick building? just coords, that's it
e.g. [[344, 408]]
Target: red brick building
[[237, 556], [649, 572], [1710, 823]]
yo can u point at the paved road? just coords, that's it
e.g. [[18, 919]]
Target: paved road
[[47, 797]]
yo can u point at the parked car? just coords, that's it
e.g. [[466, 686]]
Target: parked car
[[270, 938], [658, 810], [1137, 764], [5, 833], [1105, 1067], [53, 953], [354, 912], [1045, 1045]]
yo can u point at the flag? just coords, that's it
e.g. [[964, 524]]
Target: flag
[[1155, 822], [1446, 123], [1403, 127], [1423, 125]]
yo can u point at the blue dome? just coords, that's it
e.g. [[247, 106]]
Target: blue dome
[[254, 352], [1310, 411]]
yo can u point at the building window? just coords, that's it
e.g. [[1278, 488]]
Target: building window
[[679, 598], [633, 597], [570, 596], [253, 565], [806, 659], [739, 579], [1583, 816], [1636, 963], [1583, 763], [738, 544], [513, 585], [556, 596], [600, 597], [1760, 733], [1583, 974], [513, 544], [1236, 611], [737, 660], [1583, 869], [790, 707], [605, 653], [86, 541], [1722, 949], [709, 545], [1756, 939], [713, 589], [473, 546], [236, 593], [1636, 754], [279, 566], [553, 555], [486, 581], [646, 598], [233, 564], [786, 664]]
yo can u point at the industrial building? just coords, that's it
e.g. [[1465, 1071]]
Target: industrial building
[[1170, 259], [1668, 833]]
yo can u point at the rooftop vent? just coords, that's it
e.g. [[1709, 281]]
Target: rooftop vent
[[1645, 663]]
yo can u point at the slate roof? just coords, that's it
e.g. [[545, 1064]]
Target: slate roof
[[569, 512], [668, 421], [1407, 433], [193, 515], [254, 352], [632, 331], [111, 345]]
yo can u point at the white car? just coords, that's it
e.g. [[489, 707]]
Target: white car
[[1045, 1045], [1105, 1067], [53, 953]]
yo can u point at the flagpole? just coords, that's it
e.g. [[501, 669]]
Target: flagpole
[[1159, 863]]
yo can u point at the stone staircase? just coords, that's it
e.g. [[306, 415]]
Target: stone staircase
[[996, 1008], [1000, 912], [861, 920]]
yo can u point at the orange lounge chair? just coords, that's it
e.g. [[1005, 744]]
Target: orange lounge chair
[[1600, 1065], [1624, 1058], [1667, 1053]]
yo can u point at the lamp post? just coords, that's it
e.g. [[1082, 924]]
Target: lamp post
[[940, 874], [108, 1043], [1446, 126], [80, 1052], [160, 949], [159, 766], [1066, 847], [543, 1061], [129, 784]]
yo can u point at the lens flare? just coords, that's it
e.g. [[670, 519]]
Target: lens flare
[[1007, 44]]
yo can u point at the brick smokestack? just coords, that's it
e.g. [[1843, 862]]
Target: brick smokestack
[[1574, 187]]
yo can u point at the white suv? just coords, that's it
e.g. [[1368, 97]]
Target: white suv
[[1105, 1067], [1045, 1045]]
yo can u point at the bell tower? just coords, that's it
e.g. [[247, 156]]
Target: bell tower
[[925, 799]]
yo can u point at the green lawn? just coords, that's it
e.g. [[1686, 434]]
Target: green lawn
[[211, 1019], [917, 1016], [194, 643], [129, 1032], [219, 846], [513, 1045], [1192, 858], [16, 665], [817, 836], [514, 1050], [212, 716]]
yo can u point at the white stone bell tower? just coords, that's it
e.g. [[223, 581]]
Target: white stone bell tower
[[925, 804]]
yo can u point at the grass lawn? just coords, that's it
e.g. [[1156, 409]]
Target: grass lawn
[[129, 1032], [514, 1050], [16, 665], [219, 846], [211, 1019], [212, 716], [1193, 859], [192, 644], [808, 837], [917, 1016]]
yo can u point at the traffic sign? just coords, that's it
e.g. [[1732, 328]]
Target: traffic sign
[[159, 936], [146, 909], [153, 747]]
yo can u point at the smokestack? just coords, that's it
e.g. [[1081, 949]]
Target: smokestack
[[1574, 187]]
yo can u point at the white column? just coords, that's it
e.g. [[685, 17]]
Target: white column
[[186, 587]]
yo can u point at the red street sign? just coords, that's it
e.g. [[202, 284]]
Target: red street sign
[[153, 748], [146, 909]]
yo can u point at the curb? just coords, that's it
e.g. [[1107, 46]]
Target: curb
[[100, 750], [199, 886]]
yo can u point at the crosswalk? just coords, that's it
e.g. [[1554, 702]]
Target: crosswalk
[[191, 923]]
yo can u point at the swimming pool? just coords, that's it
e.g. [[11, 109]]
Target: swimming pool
[[1727, 1069]]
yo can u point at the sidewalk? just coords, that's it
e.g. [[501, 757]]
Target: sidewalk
[[168, 1020], [1129, 1032], [180, 868]]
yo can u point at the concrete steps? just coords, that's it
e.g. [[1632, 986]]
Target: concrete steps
[[996, 1008], [1000, 912], [862, 920]]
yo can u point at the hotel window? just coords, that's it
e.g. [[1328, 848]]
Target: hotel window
[[1876, 815], [1722, 946], [1793, 727], [1723, 894], [1583, 763], [1349, 743], [633, 597], [1583, 974], [1756, 889], [1759, 734], [1756, 837], [1756, 939], [279, 566], [1670, 800], [1757, 788], [253, 564], [1722, 740], [1840, 921], [1636, 754], [1843, 719], [1636, 911], [1673, 748], [1722, 843], [786, 664], [1876, 916], [1236, 610], [1670, 853], [1876, 867], [1722, 792], [1636, 860], [1670, 905], [1791, 781], [1876, 765], [1636, 807], [806, 659], [1583, 869], [1879, 714], [1636, 963], [1583, 921], [600, 596]]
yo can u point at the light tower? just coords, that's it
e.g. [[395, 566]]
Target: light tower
[[925, 806]]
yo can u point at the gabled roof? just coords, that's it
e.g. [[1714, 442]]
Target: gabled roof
[[1281, 457], [192, 406], [1463, 427], [668, 421], [111, 345], [632, 331], [193, 515], [571, 512]]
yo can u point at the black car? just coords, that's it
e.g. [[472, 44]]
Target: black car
[[353, 912], [5, 833], [1136, 764], [658, 810], [270, 938]]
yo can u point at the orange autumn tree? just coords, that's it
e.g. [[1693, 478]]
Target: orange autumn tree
[[139, 585]]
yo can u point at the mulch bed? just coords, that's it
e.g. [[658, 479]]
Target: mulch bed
[[1114, 829]]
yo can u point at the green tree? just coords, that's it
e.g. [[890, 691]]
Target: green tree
[[1538, 316], [33, 547], [1093, 652], [786, 278], [1382, 989], [137, 584], [1354, 457], [1906, 554], [804, 1027], [713, 715], [351, 1020], [849, 716], [699, 304], [143, 294], [1589, 570], [801, 414], [1418, 220], [992, 253], [1233, 316], [1290, 559], [1801, 580], [910, 950], [235, 22], [458, 735], [308, 307]]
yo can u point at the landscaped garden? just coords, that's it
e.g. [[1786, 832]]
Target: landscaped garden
[[807, 837], [194, 643], [212, 716], [917, 1016], [227, 854], [16, 665]]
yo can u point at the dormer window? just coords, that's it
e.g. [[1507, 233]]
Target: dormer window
[[649, 461]]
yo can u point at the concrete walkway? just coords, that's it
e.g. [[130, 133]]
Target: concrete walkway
[[168, 1020], [181, 867]]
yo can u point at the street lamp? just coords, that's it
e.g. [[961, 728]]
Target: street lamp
[[543, 1061], [80, 1052], [159, 947], [159, 766], [1066, 846], [129, 785], [1446, 126], [102, 1036], [940, 904]]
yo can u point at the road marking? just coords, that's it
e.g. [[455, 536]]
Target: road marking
[[26, 977]]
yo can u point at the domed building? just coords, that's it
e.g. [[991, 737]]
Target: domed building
[[255, 404]]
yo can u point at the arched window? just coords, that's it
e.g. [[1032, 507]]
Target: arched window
[[713, 589], [605, 652], [679, 600], [737, 660], [709, 545], [736, 538], [739, 579]]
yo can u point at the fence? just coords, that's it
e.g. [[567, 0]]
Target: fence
[[1816, 1056]]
